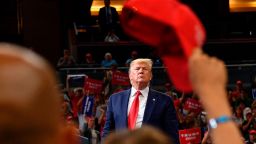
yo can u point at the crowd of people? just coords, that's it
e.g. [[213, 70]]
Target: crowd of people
[[189, 110], [88, 61], [243, 111]]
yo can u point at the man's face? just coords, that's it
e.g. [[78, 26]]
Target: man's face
[[91, 122], [134, 54], [107, 2], [248, 116], [140, 73], [108, 57], [79, 93]]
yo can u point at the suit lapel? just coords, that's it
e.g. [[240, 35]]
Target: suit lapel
[[149, 106], [124, 105]]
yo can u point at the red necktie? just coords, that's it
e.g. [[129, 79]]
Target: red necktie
[[132, 117]]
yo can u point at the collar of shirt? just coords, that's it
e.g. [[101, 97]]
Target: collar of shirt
[[144, 92]]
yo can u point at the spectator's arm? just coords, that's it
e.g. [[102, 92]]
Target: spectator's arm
[[102, 115], [209, 77], [205, 138]]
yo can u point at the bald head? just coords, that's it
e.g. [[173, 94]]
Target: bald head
[[29, 98]]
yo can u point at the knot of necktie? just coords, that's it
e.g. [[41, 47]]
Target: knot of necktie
[[137, 94]]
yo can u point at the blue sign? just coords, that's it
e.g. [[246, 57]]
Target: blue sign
[[88, 103]]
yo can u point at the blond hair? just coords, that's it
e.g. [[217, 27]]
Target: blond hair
[[147, 61]]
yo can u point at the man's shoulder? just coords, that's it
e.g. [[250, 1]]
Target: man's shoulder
[[120, 93], [119, 97], [101, 9], [156, 92], [112, 7], [160, 94]]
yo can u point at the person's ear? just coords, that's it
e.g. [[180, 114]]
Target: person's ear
[[129, 74], [151, 76]]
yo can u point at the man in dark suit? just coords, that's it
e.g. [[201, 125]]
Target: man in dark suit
[[108, 18], [151, 107]]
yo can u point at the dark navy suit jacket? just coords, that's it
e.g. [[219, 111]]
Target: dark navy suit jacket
[[159, 112]]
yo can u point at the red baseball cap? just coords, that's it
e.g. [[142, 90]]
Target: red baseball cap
[[169, 26], [252, 132]]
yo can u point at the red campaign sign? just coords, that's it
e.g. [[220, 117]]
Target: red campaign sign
[[193, 105], [120, 78], [93, 85], [190, 136]]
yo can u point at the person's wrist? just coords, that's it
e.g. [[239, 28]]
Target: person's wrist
[[205, 90], [215, 122], [217, 109], [215, 102]]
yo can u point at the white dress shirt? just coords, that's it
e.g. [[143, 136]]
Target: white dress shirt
[[142, 104]]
